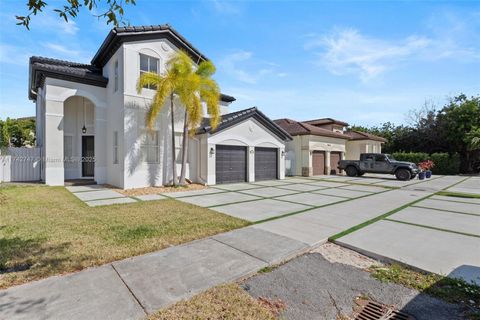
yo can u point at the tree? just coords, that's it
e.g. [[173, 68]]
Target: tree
[[17, 132], [472, 139], [190, 86], [197, 86], [114, 12], [453, 129]]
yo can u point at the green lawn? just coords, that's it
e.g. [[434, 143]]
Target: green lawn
[[46, 231]]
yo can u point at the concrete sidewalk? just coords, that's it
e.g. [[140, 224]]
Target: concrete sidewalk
[[132, 288]]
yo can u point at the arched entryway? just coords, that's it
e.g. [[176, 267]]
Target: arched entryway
[[79, 138]]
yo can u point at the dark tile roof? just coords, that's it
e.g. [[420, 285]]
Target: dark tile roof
[[323, 121], [233, 118], [359, 135], [119, 35], [227, 98], [41, 67], [296, 128]]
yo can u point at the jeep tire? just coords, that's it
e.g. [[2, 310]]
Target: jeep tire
[[403, 174], [351, 171]]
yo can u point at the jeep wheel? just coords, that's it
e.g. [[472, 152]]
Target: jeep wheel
[[351, 171], [402, 174]]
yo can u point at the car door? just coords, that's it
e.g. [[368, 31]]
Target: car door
[[381, 163], [367, 164]]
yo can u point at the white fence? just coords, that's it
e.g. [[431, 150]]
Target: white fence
[[20, 164]]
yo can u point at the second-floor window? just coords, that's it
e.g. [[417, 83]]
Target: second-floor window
[[148, 64]]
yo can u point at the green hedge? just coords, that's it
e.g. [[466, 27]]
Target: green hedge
[[444, 162]]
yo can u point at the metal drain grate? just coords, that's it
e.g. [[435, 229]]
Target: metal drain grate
[[371, 310]]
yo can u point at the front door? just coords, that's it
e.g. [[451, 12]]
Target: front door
[[88, 156]]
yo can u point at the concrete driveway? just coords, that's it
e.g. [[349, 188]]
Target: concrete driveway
[[377, 215], [273, 199]]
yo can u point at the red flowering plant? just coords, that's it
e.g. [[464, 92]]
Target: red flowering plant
[[426, 165]]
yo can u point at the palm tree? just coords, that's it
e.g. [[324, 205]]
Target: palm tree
[[191, 87], [167, 87], [197, 86]]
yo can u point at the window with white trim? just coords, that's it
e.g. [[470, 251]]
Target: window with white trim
[[115, 147], [149, 64], [150, 147], [115, 74]]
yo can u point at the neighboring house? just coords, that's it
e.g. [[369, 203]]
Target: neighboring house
[[319, 144], [93, 111]]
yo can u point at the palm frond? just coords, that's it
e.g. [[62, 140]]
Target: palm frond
[[164, 88], [210, 93], [148, 79], [206, 69]]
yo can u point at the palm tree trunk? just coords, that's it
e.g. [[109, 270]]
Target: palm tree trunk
[[174, 162], [184, 149]]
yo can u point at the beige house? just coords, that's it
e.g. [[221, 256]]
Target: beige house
[[318, 145]]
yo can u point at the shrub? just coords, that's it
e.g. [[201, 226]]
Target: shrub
[[444, 163], [415, 157]]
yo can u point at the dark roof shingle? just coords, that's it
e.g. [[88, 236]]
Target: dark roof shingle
[[119, 35], [233, 118], [41, 67]]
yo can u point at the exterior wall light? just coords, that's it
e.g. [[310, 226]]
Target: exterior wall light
[[283, 153], [252, 151], [84, 129], [212, 151]]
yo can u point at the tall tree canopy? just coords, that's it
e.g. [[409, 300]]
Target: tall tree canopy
[[17, 132], [453, 128], [114, 11]]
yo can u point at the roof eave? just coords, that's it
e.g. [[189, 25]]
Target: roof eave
[[115, 39]]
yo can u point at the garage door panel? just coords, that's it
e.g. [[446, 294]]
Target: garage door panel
[[318, 162], [231, 164], [266, 164], [334, 159]]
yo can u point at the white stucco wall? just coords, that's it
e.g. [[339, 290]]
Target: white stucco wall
[[299, 150], [56, 92], [356, 147], [248, 133]]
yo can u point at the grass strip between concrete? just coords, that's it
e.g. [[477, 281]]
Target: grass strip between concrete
[[450, 211], [433, 228], [369, 222], [458, 194], [315, 207]]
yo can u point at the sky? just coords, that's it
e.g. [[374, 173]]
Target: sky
[[362, 62]]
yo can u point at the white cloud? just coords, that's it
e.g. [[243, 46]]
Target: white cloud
[[69, 27], [225, 7], [62, 49], [13, 54], [242, 66], [347, 51], [229, 65]]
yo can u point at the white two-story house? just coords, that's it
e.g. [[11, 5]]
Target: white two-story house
[[91, 120]]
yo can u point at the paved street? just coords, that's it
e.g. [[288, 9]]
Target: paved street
[[400, 220]]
